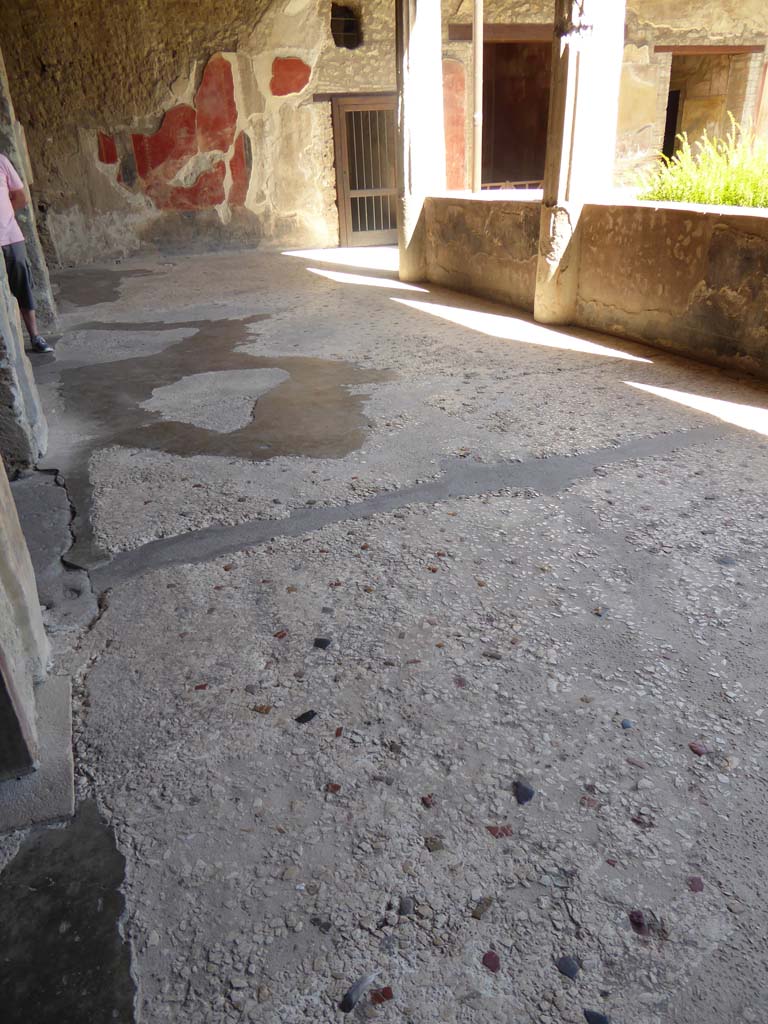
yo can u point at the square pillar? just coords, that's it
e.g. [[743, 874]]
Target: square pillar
[[420, 126], [24, 650], [587, 55]]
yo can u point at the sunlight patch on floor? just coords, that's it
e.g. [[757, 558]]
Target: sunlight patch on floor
[[392, 283], [375, 257], [751, 417], [512, 328]]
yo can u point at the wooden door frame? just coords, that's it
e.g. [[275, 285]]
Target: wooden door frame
[[341, 104]]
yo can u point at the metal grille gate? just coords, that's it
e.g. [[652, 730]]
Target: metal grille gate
[[364, 133]]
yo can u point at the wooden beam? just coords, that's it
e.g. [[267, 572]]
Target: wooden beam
[[538, 33], [328, 97], [704, 51]]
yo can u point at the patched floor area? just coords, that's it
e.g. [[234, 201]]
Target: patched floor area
[[63, 959], [430, 645]]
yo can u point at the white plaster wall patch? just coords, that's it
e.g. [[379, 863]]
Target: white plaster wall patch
[[222, 401]]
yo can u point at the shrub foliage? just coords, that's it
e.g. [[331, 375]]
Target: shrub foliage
[[718, 172]]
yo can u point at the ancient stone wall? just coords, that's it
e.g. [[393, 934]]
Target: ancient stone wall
[[485, 247], [186, 124], [685, 279], [646, 73], [688, 279], [183, 124]]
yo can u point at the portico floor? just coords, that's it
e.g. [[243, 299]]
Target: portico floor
[[480, 552]]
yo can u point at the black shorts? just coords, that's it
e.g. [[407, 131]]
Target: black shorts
[[19, 274]]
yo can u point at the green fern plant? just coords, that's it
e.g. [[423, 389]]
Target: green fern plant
[[717, 172]]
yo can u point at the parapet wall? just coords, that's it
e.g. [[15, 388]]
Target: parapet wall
[[484, 246], [692, 280]]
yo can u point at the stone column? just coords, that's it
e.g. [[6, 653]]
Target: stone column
[[12, 144], [420, 126], [24, 650], [581, 142], [23, 429]]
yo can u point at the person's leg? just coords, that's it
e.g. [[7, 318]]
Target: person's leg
[[21, 285], [30, 320], [36, 340]]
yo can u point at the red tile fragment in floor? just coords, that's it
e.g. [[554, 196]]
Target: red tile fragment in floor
[[382, 995], [491, 961], [500, 831]]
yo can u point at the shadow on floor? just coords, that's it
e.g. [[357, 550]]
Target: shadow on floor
[[90, 286], [62, 960]]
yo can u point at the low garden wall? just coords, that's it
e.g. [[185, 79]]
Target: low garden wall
[[484, 246], [690, 279], [693, 280]]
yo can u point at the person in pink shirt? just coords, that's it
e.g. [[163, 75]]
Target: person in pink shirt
[[12, 198]]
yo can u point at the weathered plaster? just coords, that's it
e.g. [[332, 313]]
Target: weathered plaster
[[116, 91], [690, 280], [712, 23], [90, 68], [484, 247]]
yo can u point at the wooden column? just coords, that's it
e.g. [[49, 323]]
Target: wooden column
[[420, 126], [477, 95], [581, 142]]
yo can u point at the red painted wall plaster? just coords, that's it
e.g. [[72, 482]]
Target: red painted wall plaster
[[289, 74], [215, 105], [454, 106]]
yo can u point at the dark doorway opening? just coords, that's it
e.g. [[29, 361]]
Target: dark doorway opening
[[670, 128], [516, 81]]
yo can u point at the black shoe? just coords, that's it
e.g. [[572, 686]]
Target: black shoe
[[39, 344]]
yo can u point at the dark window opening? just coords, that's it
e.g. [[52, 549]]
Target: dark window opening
[[345, 27]]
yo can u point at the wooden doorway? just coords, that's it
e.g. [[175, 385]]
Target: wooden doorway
[[516, 80], [366, 188]]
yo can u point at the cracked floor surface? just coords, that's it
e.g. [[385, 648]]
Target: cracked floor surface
[[461, 608]]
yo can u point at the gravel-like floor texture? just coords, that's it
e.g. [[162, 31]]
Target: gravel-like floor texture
[[316, 753]]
